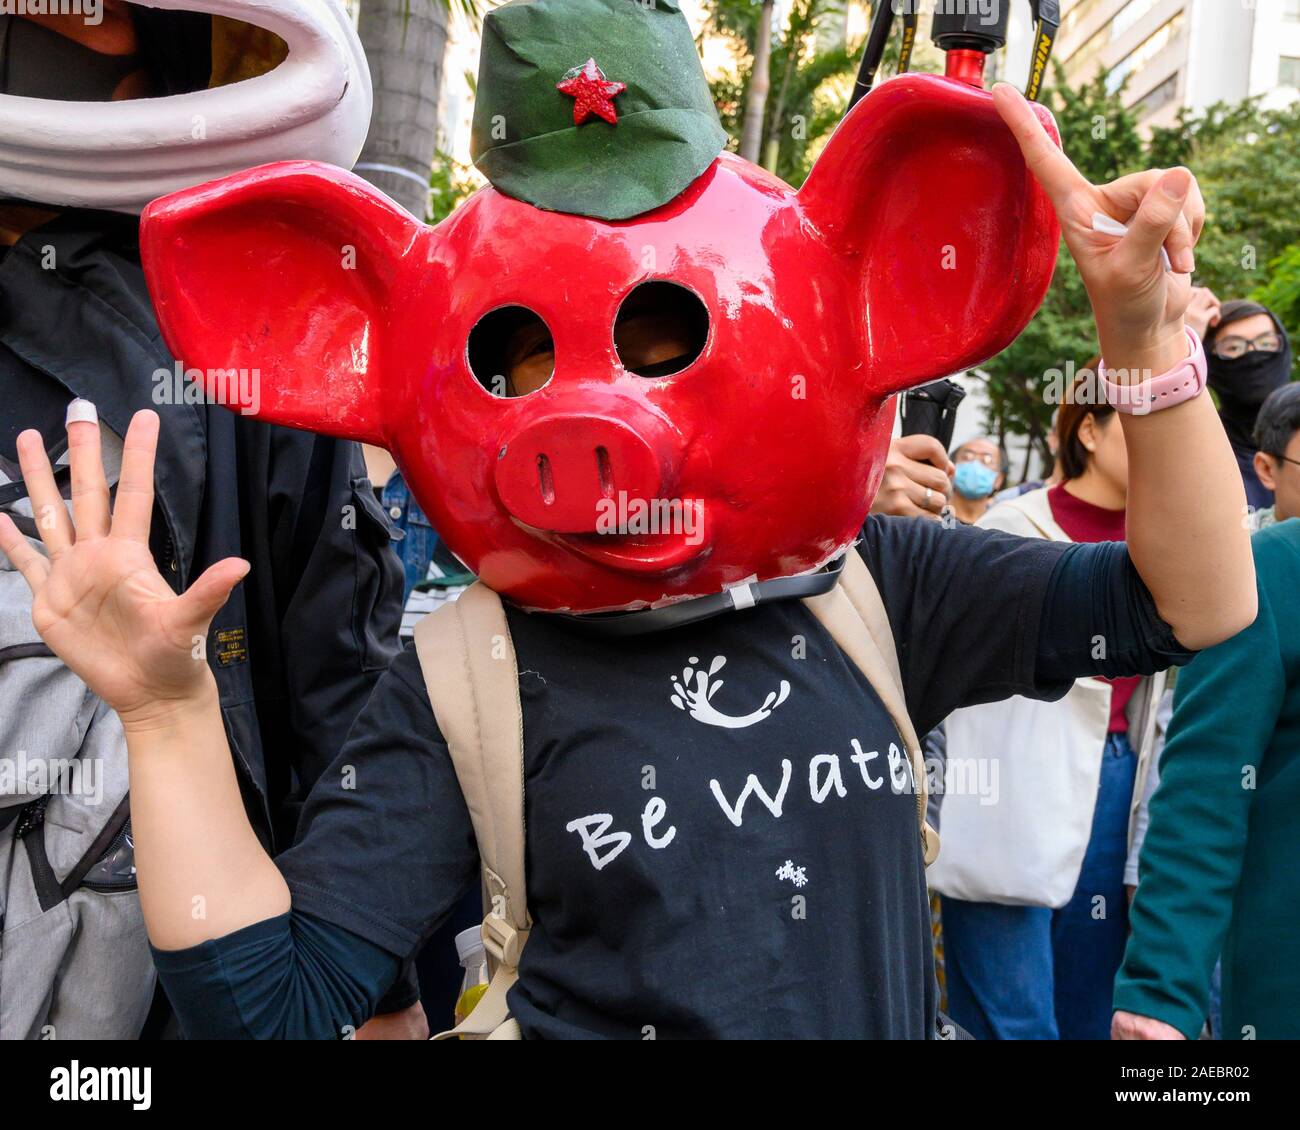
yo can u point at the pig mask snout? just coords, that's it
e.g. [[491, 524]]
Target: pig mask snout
[[617, 483], [561, 469]]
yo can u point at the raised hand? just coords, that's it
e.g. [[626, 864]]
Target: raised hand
[[918, 479], [1138, 304], [99, 601], [1185, 533], [1204, 310]]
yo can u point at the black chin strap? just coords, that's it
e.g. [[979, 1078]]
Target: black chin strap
[[643, 622]]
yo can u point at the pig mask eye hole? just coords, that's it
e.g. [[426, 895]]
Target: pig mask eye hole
[[510, 351], [661, 328]]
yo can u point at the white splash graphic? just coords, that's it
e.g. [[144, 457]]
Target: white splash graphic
[[694, 692]]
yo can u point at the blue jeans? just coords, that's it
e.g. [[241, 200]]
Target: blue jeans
[[418, 540], [1032, 973]]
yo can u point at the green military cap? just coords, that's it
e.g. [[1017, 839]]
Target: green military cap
[[596, 107]]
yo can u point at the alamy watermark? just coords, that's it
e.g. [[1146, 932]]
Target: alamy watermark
[[231, 388], [1128, 388], [77, 1083], [988, 11], [22, 775], [90, 11], [650, 516]]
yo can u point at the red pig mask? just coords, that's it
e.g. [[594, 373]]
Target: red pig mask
[[920, 245]]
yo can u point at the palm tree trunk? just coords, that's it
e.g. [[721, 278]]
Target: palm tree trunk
[[773, 151], [751, 130], [405, 41]]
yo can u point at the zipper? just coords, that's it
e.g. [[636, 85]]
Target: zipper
[[30, 829], [114, 846]]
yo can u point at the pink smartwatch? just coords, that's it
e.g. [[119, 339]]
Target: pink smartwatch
[[1183, 382]]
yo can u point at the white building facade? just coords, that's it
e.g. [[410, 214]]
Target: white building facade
[[1184, 53]]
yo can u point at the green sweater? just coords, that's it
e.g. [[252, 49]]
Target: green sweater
[[1220, 868]]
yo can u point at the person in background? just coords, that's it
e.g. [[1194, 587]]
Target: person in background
[[1249, 355], [1203, 310], [432, 574], [918, 484], [1219, 873], [1205, 589], [1277, 436], [981, 470], [1025, 957], [918, 479], [1053, 447], [304, 641], [1277, 462]]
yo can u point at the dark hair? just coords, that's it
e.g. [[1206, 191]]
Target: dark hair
[[1084, 399], [1279, 420], [1237, 310]]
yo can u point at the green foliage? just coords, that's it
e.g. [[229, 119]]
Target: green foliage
[[737, 19], [1247, 161], [449, 183], [808, 113], [1177, 144], [1281, 293], [1061, 335], [729, 97], [1101, 137], [810, 84]]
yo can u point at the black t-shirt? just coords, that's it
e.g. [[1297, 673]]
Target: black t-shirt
[[721, 828]]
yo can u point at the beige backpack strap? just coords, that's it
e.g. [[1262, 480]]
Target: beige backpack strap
[[469, 668], [854, 614]]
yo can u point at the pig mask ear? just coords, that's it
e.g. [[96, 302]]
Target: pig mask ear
[[286, 272], [925, 186]]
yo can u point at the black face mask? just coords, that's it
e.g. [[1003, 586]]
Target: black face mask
[[1244, 383], [36, 62], [175, 51]]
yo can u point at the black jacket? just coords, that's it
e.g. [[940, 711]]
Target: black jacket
[[301, 643]]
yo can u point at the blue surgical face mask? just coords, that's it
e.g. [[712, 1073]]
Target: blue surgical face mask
[[974, 480]]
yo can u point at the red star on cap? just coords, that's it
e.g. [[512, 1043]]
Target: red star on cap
[[592, 93]]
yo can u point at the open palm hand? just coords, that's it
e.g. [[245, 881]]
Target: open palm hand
[[99, 601]]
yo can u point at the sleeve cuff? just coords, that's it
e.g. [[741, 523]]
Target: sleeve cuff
[[404, 993], [205, 953], [1148, 1002]]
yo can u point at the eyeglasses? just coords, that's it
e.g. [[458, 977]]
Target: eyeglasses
[[1230, 348], [987, 458]]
